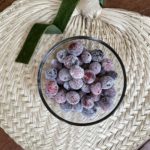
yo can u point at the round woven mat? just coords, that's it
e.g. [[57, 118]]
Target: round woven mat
[[22, 113]]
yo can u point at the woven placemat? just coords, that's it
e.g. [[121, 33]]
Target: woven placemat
[[22, 113]]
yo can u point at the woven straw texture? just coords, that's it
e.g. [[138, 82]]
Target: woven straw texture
[[22, 113]]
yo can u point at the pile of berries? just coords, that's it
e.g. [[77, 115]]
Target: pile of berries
[[80, 80]]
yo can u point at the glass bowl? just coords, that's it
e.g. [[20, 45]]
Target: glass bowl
[[75, 118]]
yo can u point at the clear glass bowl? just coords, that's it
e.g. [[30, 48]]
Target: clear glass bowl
[[75, 118]]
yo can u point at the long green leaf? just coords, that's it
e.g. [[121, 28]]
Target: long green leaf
[[31, 42], [101, 2], [60, 22], [52, 29], [65, 11]]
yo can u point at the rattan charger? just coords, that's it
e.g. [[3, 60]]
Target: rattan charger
[[22, 113]]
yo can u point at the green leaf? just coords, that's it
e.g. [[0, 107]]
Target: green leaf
[[101, 2], [60, 22], [52, 29], [65, 11], [31, 42]]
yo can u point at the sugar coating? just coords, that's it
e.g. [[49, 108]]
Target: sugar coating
[[70, 61], [106, 103], [52, 88], [97, 55], [56, 64], [76, 84], [51, 74], [86, 88], [86, 57], [61, 55], [95, 67], [89, 76], [110, 92], [77, 72], [112, 74], [73, 97], [75, 48], [66, 107], [96, 88], [87, 102], [60, 96], [64, 74], [106, 82], [66, 85], [107, 64], [89, 112], [77, 108]]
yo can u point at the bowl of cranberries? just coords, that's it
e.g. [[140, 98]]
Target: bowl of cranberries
[[81, 80]]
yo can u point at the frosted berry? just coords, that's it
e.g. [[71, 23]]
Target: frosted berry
[[95, 67], [106, 103], [96, 88], [89, 77], [107, 64], [85, 88], [110, 92], [106, 82], [52, 88], [96, 98], [86, 57], [77, 72], [51, 74], [80, 80], [66, 85], [60, 97], [112, 74], [75, 48], [66, 107], [70, 61], [89, 112], [60, 82], [48, 95], [76, 84], [61, 55], [77, 108], [97, 55], [56, 64], [73, 97], [87, 101], [64, 74]]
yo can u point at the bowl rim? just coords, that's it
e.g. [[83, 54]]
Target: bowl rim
[[40, 73]]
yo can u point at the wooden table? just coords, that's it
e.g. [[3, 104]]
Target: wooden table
[[141, 6], [6, 143]]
